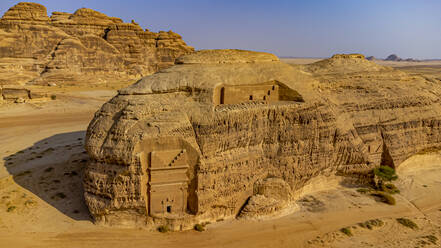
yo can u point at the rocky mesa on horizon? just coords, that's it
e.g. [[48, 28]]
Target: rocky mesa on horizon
[[394, 57], [86, 46]]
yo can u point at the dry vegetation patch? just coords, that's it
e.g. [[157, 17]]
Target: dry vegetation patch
[[407, 223], [384, 197], [199, 227], [163, 229], [371, 224], [382, 189], [15, 200], [347, 231]]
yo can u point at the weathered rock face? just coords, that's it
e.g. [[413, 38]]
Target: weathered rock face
[[199, 140], [392, 113], [271, 195], [19, 94], [84, 46]]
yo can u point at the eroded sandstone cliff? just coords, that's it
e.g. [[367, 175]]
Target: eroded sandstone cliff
[[86, 46], [228, 132]]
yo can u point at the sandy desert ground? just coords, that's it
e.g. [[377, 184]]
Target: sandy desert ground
[[41, 203]]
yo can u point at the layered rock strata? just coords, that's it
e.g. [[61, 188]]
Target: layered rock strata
[[18, 94], [86, 46], [228, 133]]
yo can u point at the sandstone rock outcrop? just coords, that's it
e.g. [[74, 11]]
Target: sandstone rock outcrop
[[86, 46], [271, 195], [207, 140], [19, 94]]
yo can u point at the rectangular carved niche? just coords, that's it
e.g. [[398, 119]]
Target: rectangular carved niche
[[168, 182], [233, 94]]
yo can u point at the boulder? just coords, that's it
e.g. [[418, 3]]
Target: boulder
[[270, 197]]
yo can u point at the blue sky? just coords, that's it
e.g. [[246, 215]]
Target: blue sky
[[311, 28]]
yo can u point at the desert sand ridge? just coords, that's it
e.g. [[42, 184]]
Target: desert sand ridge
[[248, 133]]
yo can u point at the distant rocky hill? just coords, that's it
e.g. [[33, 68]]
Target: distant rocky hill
[[344, 63], [394, 57], [86, 46]]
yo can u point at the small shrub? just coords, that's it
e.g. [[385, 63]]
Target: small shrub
[[199, 228], [53, 97], [432, 239], [384, 197], [29, 203], [347, 231], [363, 190], [370, 224], [385, 173], [49, 169], [163, 229], [389, 188], [407, 223], [11, 208]]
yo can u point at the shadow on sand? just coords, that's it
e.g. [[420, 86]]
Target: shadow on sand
[[52, 169]]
